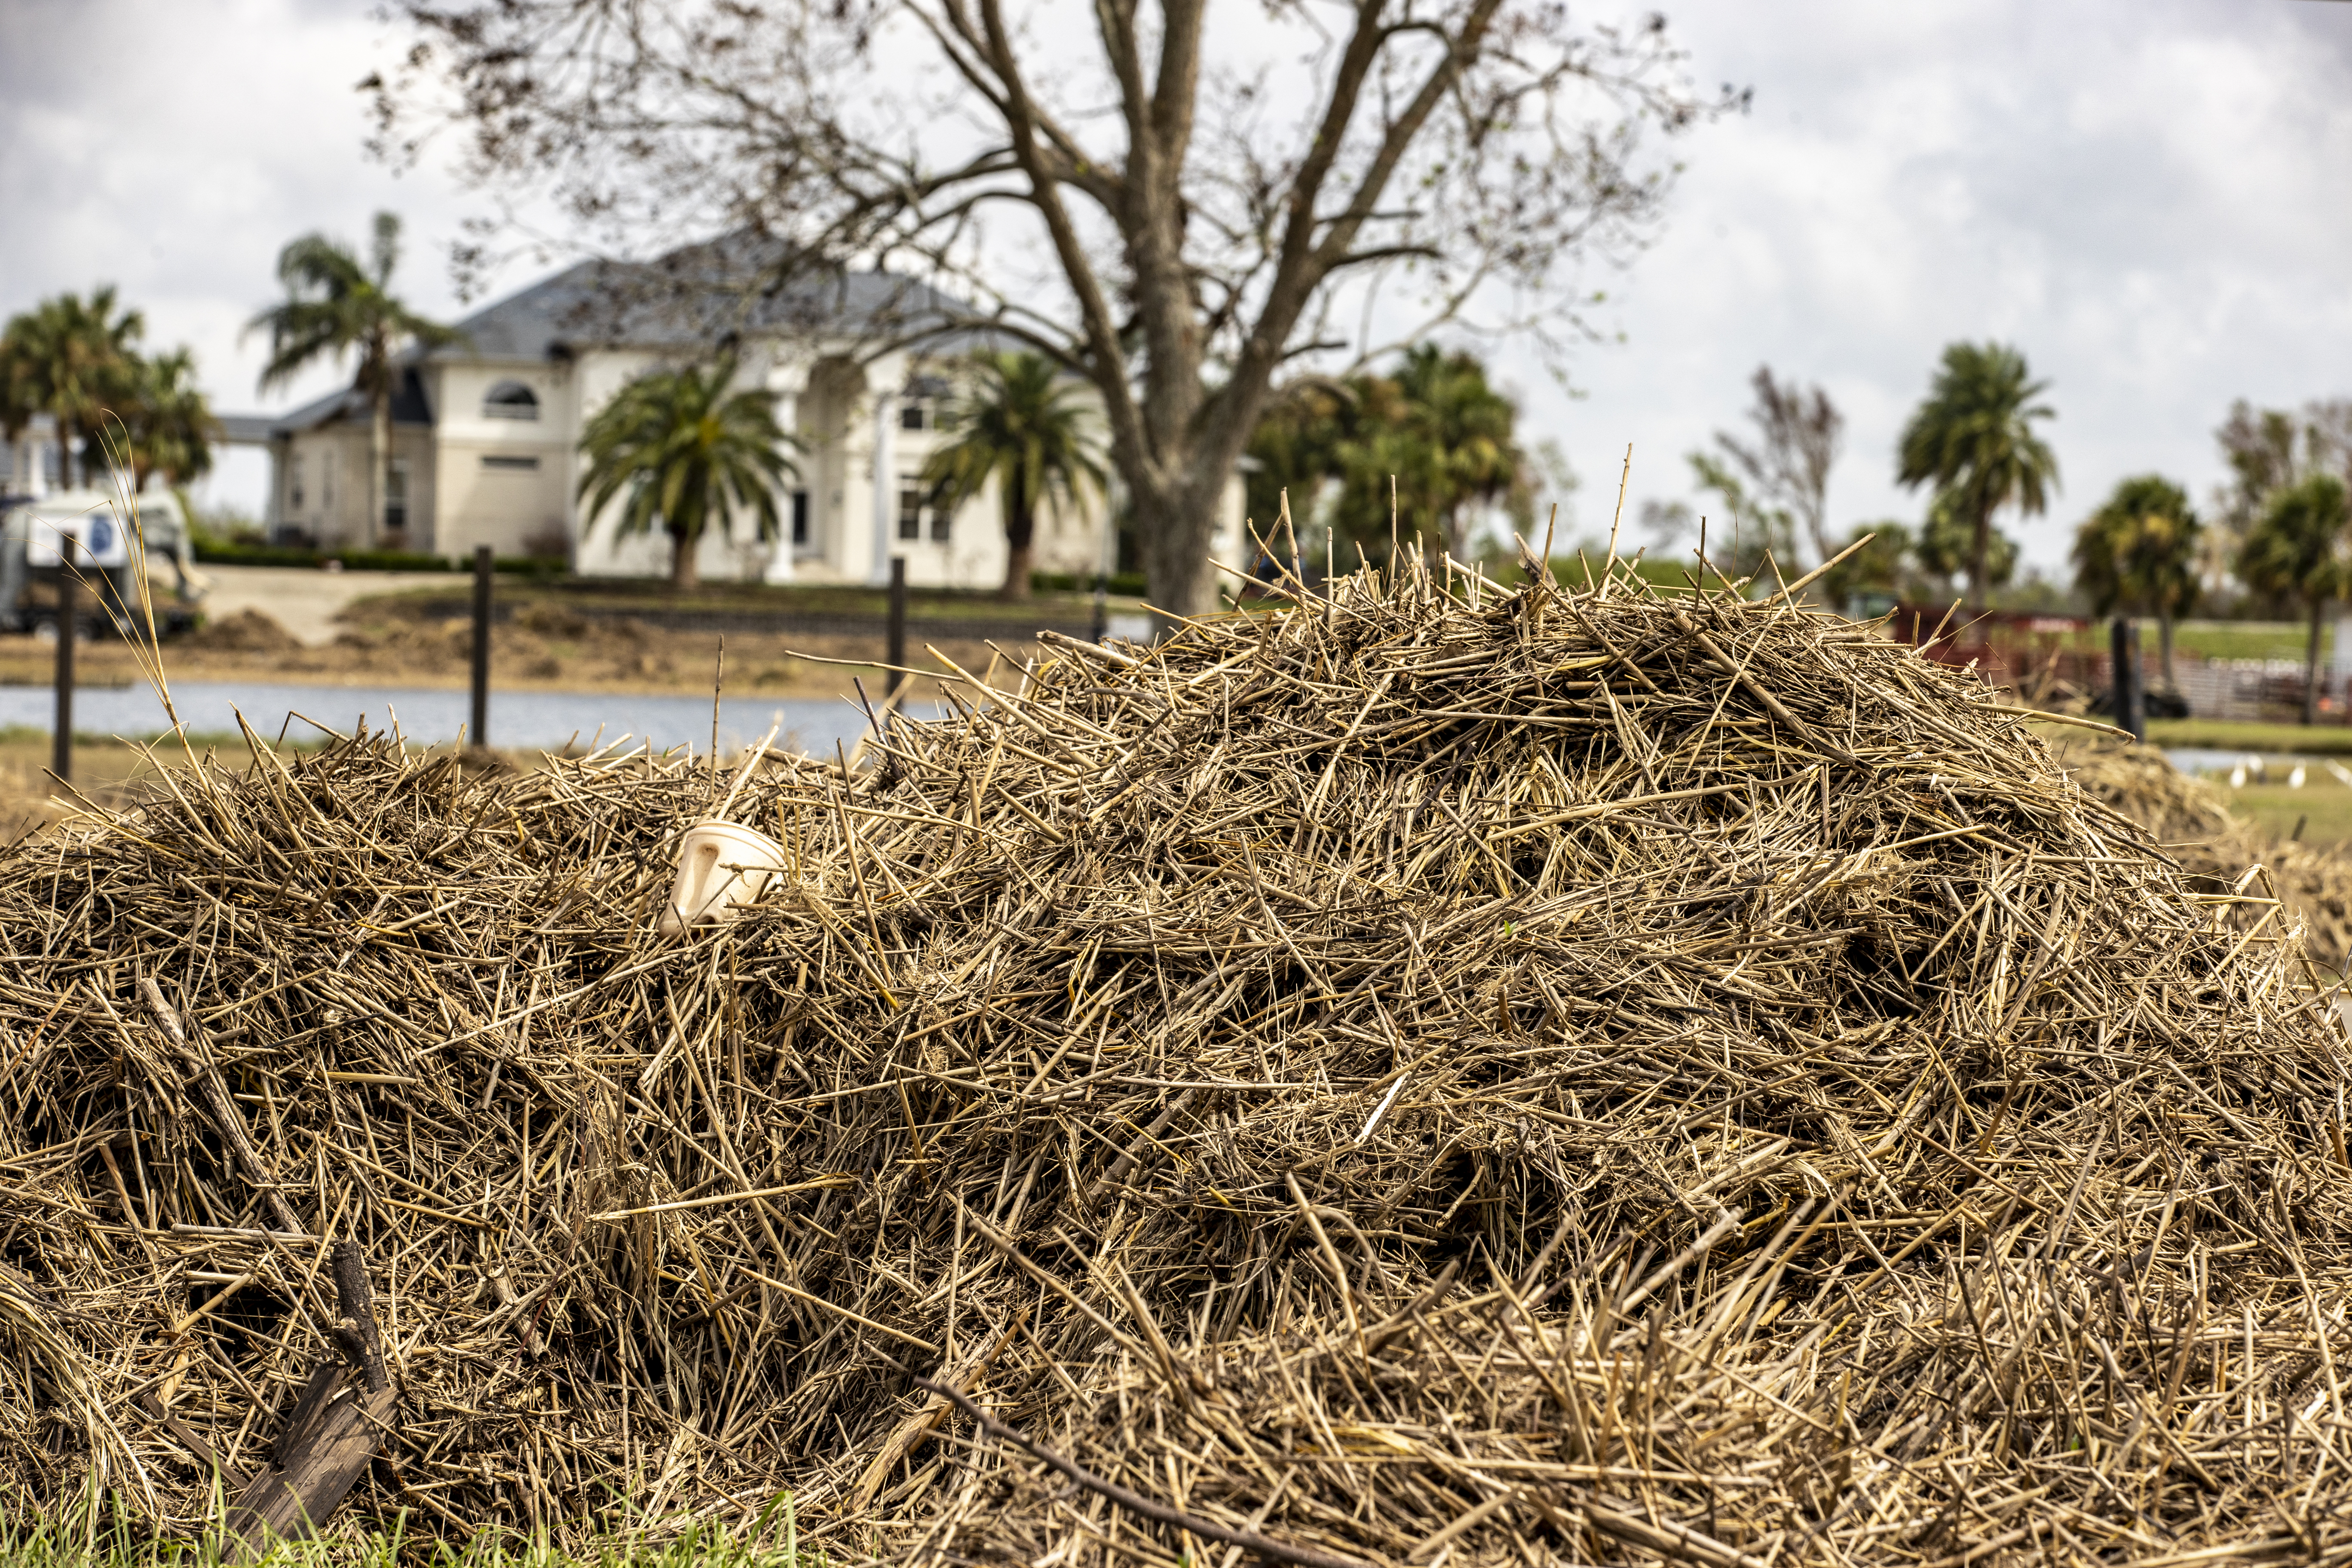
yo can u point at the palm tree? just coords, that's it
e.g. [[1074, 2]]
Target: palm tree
[[1445, 434], [335, 306], [1021, 425], [2296, 550], [71, 359], [2140, 551], [168, 428], [1974, 439], [685, 450]]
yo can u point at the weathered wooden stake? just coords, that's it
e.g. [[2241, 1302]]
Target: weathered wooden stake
[[478, 732], [2131, 710], [897, 641], [62, 747]]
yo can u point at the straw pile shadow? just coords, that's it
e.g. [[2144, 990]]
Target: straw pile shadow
[[1438, 1076]]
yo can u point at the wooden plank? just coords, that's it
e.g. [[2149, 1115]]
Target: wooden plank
[[291, 1502], [334, 1431]]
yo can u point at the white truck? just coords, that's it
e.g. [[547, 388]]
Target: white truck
[[36, 535]]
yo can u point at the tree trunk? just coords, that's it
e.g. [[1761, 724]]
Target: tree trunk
[[1980, 545], [379, 465], [684, 570], [66, 477], [1020, 539], [2311, 669], [1174, 525], [2164, 645]]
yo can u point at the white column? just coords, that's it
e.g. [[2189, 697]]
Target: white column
[[886, 488], [786, 382]]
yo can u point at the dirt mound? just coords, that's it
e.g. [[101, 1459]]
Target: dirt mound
[[1440, 1076], [247, 631]]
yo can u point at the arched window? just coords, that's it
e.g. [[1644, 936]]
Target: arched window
[[510, 400]]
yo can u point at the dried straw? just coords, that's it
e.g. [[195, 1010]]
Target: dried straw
[[1441, 1075]]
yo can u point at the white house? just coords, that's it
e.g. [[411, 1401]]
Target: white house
[[486, 433]]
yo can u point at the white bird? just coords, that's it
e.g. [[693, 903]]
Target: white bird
[[2238, 776], [2294, 779]]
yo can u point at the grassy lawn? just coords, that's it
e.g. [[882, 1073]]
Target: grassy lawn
[[2240, 640], [2225, 736], [764, 1540], [2323, 806]]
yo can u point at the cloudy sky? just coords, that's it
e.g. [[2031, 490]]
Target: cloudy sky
[[2151, 199]]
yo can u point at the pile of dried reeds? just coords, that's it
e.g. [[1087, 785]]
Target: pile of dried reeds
[[2309, 884], [1441, 1075]]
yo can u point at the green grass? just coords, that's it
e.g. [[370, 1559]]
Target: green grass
[[766, 1539], [2230, 735], [2323, 806], [2239, 639]]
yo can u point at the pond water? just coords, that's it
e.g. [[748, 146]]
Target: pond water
[[526, 719], [554, 720]]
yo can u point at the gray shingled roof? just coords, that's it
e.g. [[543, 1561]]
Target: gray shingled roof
[[408, 407], [697, 297], [247, 429], [693, 297]]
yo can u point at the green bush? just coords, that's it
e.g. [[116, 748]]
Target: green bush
[[222, 553], [390, 561], [214, 552], [1127, 583]]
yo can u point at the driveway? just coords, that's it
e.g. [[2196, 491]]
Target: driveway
[[305, 600]]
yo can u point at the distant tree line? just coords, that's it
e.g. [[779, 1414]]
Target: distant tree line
[[2279, 530]]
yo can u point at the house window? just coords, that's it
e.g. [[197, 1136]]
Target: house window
[[294, 496], [799, 519], [396, 495], [505, 463], [942, 521], [913, 416], [911, 512], [510, 400]]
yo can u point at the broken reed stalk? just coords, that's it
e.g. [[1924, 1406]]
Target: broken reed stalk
[[1591, 1076]]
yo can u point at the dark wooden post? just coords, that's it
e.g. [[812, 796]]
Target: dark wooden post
[[2131, 709], [69, 629], [897, 655], [478, 732]]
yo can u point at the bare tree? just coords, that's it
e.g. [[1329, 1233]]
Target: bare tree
[[1787, 468], [1181, 226]]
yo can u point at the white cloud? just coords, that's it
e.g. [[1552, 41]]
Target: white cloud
[[2146, 198], [172, 149]]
